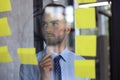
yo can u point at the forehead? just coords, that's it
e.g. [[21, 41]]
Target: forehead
[[54, 12], [50, 9]]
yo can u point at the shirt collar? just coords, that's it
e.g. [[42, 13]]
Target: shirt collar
[[64, 54]]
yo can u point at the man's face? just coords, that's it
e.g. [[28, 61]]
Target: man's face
[[53, 25]]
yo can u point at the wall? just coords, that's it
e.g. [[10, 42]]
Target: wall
[[21, 24]]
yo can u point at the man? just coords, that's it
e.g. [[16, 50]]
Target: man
[[56, 62]]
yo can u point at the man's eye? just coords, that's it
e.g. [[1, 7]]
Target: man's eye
[[44, 24], [55, 24]]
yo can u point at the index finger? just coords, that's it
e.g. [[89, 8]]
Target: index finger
[[46, 56]]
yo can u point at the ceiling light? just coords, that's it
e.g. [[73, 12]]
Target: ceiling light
[[94, 4]]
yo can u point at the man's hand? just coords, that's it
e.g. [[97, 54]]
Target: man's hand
[[46, 66]]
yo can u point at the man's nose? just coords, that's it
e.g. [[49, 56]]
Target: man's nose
[[49, 28]]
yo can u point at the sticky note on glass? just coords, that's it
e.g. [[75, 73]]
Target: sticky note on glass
[[85, 68], [4, 27], [27, 56], [85, 1], [85, 45], [85, 18], [5, 5], [5, 55]]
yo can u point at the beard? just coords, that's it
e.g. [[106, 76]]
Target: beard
[[52, 40], [55, 41]]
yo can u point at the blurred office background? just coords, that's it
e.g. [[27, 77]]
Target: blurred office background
[[25, 27]]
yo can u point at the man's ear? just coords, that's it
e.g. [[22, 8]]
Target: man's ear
[[68, 29]]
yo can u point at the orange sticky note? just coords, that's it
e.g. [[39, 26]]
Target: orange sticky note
[[27, 56]]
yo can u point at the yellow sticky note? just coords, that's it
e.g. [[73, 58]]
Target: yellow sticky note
[[85, 68], [85, 1], [5, 55], [85, 18], [4, 27], [27, 56], [85, 45], [5, 5]]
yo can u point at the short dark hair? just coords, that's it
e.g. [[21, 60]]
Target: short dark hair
[[53, 5]]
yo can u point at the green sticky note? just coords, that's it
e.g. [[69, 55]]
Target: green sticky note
[[85, 18], [5, 55], [85, 68], [4, 27], [5, 5], [85, 45], [27, 56]]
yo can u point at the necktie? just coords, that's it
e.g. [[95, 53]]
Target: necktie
[[57, 68]]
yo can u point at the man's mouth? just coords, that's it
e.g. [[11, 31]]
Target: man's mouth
[[50, 35]]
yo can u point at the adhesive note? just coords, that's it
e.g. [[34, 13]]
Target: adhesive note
[[5, 55], [27, 56], [85, 18], [4, 27], [85, 45], [85, 1], [5, 5], [85, 68]]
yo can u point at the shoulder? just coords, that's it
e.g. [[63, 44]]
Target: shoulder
[[74, 56], [40, 54], [28, 72]]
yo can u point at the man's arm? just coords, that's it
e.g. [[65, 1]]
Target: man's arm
[[26, 72], [23, 74]]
